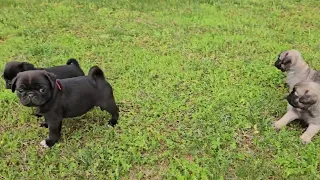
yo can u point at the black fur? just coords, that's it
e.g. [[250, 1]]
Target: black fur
[[77, 96], [73, 61], [71, 69]]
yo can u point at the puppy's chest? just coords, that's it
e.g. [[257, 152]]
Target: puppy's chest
[[308, 117], [293, 79]]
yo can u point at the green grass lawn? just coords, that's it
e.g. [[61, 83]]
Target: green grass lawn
[[194, 81]]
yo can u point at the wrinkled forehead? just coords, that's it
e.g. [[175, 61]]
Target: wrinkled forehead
[[304, 88], [283, 55], [29, 78], [301, 90]]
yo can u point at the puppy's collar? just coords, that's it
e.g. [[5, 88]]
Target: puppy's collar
[[58, 85]]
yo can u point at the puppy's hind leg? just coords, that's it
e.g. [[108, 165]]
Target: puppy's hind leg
[[286, 119], [111, 107]]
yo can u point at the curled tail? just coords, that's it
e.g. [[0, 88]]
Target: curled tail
[[96, 73], [73, 61]]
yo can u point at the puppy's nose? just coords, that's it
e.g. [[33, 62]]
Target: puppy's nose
[[277, 64], [30, 95]]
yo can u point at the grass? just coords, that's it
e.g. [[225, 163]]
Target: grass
[[194, 80]]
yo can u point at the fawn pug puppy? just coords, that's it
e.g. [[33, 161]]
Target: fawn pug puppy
[[297, 69], [304, 105], [64, 98]]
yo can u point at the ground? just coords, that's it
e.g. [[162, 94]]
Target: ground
[[194, 81]]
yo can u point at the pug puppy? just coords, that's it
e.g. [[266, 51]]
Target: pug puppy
[[304, 101], [64, 98], [297, 69], [71, 69]]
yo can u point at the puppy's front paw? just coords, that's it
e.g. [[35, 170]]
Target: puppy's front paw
[[277, 125], [38, 115], [43, 124], [112, 123], [44, 144], [305, 139]]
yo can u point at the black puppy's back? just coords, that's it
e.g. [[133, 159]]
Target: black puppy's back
[[71, 69], [74, 97], [80, 94], [106, 101]]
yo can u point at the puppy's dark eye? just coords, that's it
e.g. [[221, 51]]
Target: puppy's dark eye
[[20, 90], [42, 90]]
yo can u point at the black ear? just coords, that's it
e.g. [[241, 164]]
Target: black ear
[[13, 84], [25, 66], [307, 99], [51, 78], [287, 60]]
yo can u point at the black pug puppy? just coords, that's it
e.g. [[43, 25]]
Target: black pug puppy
[[71, 69], [64, 98]]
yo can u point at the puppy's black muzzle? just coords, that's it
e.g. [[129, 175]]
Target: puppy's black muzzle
[[292, 100], [277, 64], [8, 85], [29, 100]]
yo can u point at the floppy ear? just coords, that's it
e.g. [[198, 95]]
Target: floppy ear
[[25, 66], [51, 78], [307, 99], [13, 84], [287, 60]]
